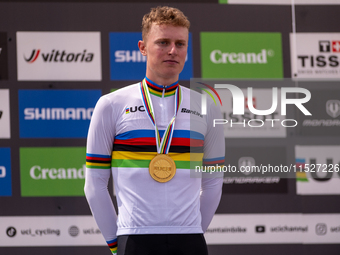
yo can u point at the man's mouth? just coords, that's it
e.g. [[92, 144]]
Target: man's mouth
[[171, 61]]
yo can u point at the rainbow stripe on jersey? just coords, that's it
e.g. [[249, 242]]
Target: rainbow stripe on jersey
[[137, 147]]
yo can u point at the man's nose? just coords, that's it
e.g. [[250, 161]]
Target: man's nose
[[173, 49]]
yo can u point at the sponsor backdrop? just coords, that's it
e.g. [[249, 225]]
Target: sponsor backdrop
[[227, 55], [3, 56], [125, 56], [63, 56], [5, 131], [315, 55], [57, 58], [5, 172], [56, 113]]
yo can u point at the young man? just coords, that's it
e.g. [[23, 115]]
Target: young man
[[162, 209]]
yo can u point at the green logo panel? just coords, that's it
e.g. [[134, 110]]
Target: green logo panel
[[52, 172], [241, 55]]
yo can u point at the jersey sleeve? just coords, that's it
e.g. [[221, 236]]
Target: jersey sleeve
[[98, 169], [214, 155]]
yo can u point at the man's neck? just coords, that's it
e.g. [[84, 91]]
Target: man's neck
[[162, 82]]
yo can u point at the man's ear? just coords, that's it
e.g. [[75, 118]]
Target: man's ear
[[142, 47]]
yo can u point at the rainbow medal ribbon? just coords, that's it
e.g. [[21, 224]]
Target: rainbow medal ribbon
[[162, 167]]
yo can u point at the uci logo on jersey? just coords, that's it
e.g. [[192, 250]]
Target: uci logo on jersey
[[134, 109]]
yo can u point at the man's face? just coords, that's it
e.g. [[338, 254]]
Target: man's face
[[166, 49]]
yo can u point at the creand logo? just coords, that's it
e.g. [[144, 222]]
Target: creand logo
[[40, 173], [219, 57], [59, 56]]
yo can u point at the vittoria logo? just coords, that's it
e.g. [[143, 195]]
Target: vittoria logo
[[134, 109], [63, 56], [333, 108], [60, 56]]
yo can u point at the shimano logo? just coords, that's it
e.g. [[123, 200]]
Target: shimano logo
[[2, 172], [58, 113], [129, 56], [185, 110]]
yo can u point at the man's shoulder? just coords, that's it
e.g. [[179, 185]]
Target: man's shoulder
[[125, 91], [190, 92]]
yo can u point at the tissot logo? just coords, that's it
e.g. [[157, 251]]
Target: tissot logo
[[333, 108], [134, 109], [315, 55], [329, 46], [60, 56]]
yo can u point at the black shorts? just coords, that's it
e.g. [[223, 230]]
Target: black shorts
[[162, 244]]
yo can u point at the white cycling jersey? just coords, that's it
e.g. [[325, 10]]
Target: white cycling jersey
[[121, 138]]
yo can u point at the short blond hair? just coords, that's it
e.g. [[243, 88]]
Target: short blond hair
[[163, 15]]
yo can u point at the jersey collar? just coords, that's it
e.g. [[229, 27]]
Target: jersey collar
[[157, 90]]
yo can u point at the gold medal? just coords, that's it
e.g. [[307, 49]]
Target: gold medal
[[162, 168]]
